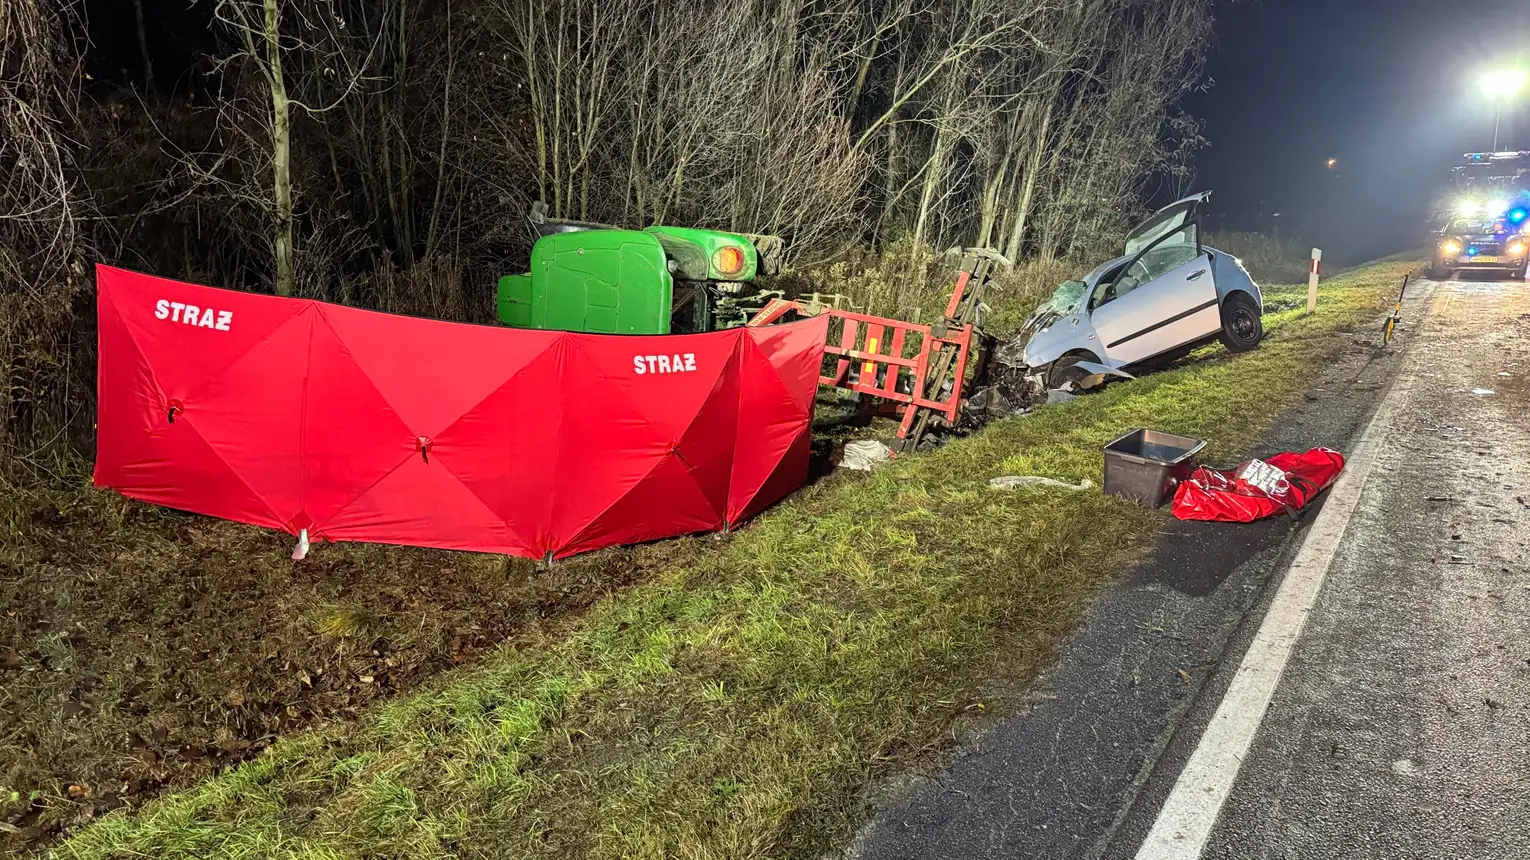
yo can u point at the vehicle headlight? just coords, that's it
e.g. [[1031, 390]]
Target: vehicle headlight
[[1468, 207], [1450, 246], [1516, 248], [728, 261]]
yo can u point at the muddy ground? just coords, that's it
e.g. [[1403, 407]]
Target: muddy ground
[[142, 650]]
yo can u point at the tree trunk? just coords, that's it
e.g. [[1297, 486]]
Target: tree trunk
[[990, 202], [143, 45], [281, 153], [1028, 187]]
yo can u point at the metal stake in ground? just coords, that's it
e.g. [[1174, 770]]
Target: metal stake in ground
[[1312, 280]]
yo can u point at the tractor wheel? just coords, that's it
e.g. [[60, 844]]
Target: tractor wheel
[[1242, 328]]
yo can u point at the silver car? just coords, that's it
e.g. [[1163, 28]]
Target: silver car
[[1166, 294]]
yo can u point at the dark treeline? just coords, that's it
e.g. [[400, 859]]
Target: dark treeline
[[384, 153]]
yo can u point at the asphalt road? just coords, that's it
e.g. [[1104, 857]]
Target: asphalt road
[[1400, 728]]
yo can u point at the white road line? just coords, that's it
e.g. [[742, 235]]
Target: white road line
[[1185, 821]]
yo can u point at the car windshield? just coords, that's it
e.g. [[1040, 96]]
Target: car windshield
[[1067, 296], [1477, 226]]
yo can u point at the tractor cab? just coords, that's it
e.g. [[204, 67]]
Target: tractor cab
[[598, 278]]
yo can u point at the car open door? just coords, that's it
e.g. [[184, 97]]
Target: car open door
[[1165, 221], [1165, 296]]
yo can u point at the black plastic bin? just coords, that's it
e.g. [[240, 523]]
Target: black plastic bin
[[1147, 465]]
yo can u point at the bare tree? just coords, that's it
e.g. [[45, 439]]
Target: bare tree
[[257, 26], [42, 356]]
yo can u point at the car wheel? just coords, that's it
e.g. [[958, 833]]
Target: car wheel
[[1518, 274], [1242, 327], [1066, 370], [1439, 272]]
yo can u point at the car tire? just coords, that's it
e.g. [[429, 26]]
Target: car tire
[[1242, 327], [1518, 274], [1439, 273], [1066, 370]]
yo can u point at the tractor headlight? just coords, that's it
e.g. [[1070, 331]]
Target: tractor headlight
[[728, 261], [1450, 246]]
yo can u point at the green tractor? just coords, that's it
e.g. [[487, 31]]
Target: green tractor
[[662, 280]]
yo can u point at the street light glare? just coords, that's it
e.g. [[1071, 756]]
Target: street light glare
[[1504, 82]]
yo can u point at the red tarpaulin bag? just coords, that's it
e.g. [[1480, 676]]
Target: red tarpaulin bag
[[1257, 488]]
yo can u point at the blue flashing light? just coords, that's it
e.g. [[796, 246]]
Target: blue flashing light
[[1518, 214], [1472, 251]]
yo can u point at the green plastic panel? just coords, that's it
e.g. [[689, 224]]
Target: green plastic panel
[[515, 300], [606, 281]]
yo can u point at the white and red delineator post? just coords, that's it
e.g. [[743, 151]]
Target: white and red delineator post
[[1312, 279]]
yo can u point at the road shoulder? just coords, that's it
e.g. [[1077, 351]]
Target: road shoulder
[[1061, 777], [1399, 730]]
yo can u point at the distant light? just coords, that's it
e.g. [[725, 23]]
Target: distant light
[[1469, 207], [1332, 163], [1504, 82], [1496, 207]]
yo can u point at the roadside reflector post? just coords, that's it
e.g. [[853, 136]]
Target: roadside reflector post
[[1312, 280]]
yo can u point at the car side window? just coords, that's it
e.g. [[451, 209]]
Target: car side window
[[1166, 258], [1153, 264]]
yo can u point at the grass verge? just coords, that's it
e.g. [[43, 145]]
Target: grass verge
[[737, 703]]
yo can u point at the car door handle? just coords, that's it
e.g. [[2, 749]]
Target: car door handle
[[1196, 275]]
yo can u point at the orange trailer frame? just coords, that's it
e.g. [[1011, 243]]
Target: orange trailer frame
[[921, 367]]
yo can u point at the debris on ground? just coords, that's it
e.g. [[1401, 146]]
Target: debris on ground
[[991, 404], [1015, 482], [865, 455], [1057, 395], [1483, 392]]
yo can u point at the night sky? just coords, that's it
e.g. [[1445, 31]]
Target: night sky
[[1390, 89]]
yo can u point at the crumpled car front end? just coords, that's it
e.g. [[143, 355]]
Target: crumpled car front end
[[1018, 374], [1013, 376]]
